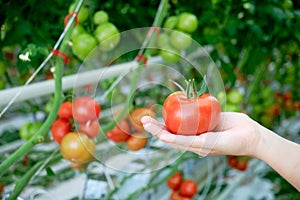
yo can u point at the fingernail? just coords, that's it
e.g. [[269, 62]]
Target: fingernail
[[145, 119]]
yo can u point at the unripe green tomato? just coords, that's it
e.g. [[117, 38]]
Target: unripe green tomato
[[108, 36], [266, 93], [78, 30], [180, 40], [83, 13], [100, 17], [25, 131], [187, 22], [163, 40], [235, 97], [170, 54], [83, 45], [171, 22]]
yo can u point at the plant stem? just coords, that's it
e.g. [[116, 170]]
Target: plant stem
[[21, 183], [146, 52], [58, 98]]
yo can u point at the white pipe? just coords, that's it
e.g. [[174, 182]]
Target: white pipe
[[47, 87]]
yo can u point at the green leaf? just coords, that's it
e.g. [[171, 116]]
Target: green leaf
[[50, 172], [203, 88]]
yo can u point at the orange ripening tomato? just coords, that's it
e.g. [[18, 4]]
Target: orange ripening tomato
[[77, 148], [136, 141], [190, 116], [136, 116]]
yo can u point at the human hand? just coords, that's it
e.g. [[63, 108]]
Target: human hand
[[235, 134]]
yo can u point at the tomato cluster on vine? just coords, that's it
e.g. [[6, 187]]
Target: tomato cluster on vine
[[182, 189], [77, 145], [84, 40], [129, 130], [238, 162], [177, 36]]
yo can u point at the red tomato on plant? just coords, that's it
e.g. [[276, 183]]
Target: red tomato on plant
[[175, 181], [176, 196], [85, 109], [77, 148], [59, 129], [91, 128], [65, 110], [136, 141], [190, 116], [188, 188]]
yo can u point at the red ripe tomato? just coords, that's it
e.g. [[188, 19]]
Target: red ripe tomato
[[175, 181], [136, 141], [85, 109], [136, 116], [77, 148], [188, 188], [241, 165], [65, 110], [59, 129], [91, 128], [176, 196], [120, 133], [190, 116], [232, 161]]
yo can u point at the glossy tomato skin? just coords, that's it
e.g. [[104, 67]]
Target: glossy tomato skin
[[78, 148], [188, 188], [90, 128], [176, 196], [190, 116], [120, 133], [136, 141], [136, 116], [85, 109], [59, 129], [175, 181], [65, 110]]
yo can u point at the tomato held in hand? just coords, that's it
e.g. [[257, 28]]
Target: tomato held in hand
[[77, 148], [136, 141], [65, 110], [175, 181], [190, 116], [90, 128], [188, 188], [85, 109], [59, 129]]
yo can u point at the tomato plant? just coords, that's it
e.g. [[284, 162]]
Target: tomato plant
[[77, 148], [188, 188], [100, 17], [29, 129], [175, 181], [83, 44], [59, 129], [107, 35], [65, 110], [136, 116], [85, 109], [187, 22], [90, 128], [136, 141], [180, 40], [190, 116]]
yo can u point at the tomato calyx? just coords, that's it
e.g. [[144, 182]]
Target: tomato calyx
[[191, 90]]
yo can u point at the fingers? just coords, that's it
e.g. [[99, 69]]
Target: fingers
[[203, 144]]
